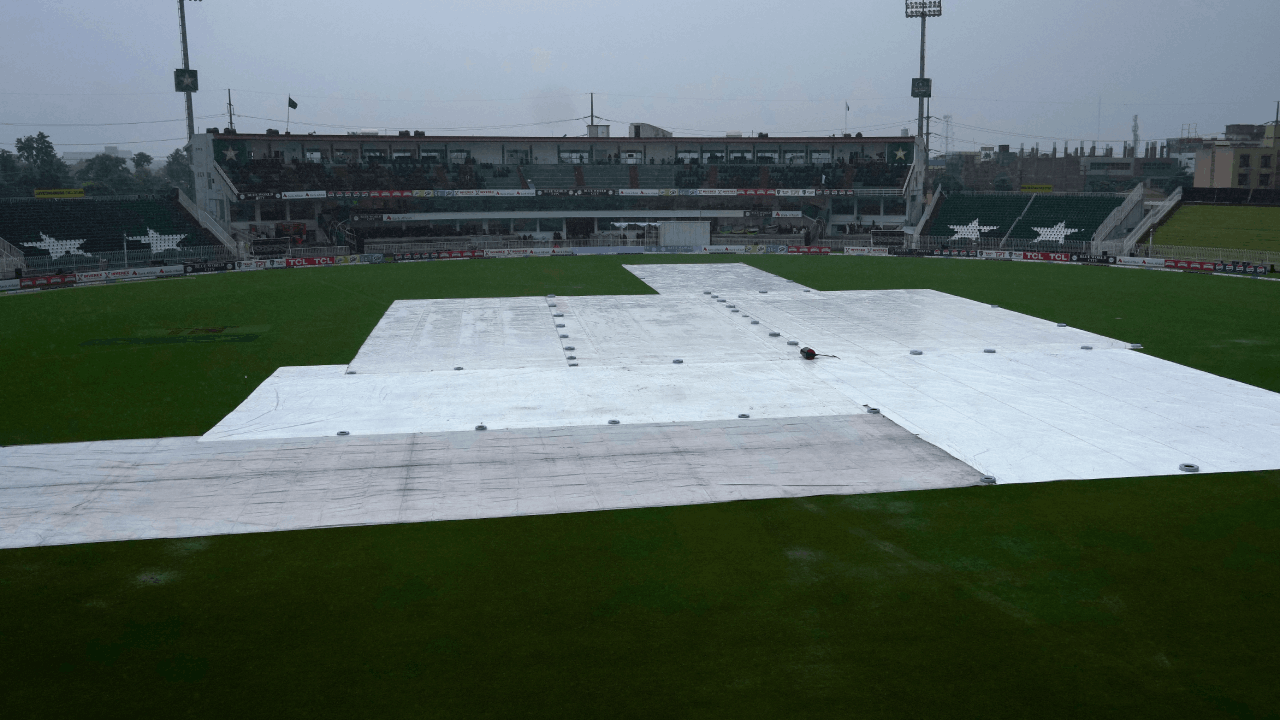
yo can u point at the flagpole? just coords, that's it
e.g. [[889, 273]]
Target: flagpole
[[287, 115]]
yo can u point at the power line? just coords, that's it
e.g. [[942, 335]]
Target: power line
[[139, 122], [448, 129]]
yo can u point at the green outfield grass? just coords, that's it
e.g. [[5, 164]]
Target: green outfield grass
[[1244, 228], [1146, 597]]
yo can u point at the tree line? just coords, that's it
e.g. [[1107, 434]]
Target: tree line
[[36, 165]]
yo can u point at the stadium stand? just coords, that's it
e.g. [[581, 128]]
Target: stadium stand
[[94, 226], [550, 177], [1079, 217], [993, 214]]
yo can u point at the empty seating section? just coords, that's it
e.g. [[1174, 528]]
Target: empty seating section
[[657, 176], [994, 215], [273, 175], [90, 226], [1079, 216], [549, 177], [607, 176]]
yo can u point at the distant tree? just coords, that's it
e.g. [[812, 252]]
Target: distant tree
[[1182, 180], [950, 183], [1002, 183], [142, 161], [106, 175], [177, 170], [9, 172], [36, 150], [40, 166]]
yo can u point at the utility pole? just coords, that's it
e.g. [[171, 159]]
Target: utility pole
[[186, 66], [593, 108], [231, 113], [922, 88]]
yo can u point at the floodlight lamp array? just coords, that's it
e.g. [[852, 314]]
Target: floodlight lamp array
[[924, 8]]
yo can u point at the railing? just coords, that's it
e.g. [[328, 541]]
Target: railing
[[45, 265], [928, 213], [11, 258], [1118, 215], [1183, 252], [208, 223], [1014, 224], [929, 243], [321, 251], [1153, 218]]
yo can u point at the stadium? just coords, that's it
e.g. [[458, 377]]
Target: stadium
[[753, 424]]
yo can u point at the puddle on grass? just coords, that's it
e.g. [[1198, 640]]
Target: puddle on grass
[[186, 546], [154, 577]]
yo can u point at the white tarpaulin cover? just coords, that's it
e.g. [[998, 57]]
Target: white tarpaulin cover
[[179, 487], [1041, 407], [546, 375]]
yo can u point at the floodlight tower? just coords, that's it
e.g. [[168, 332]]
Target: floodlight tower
[[922, 87], [185, 79]]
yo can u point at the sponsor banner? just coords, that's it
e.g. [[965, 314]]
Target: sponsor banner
[[252, 264], [837, 192], [1199, 265], [260, 195], [60, 193], [866, 251], [304, 195], [7, 285], [44, 281], [371, 258], [1000, 255], [605, 250], [457, 254], [526, 252], [797, 193], [808, 250], [967, 253], [309, 262], [578, 191], [787, 214], [1222, 267], [203, 267], [648, 191], [1050, 256], [723, 249], [1037, 188], [718, 192], [130, 273], [758, 192], [1141, 262]]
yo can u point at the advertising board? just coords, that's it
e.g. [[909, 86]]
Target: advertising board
[[46, 281], [866, 251], [808, 250]]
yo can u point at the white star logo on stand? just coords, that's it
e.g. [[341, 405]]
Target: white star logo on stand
[[230, 154], [188, 81], [159, 243], [972, 231], [899, 154], [58, 248], [1058, 232]]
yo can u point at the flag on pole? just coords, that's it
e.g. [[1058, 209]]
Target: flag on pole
[[292, 105], [846, 106]]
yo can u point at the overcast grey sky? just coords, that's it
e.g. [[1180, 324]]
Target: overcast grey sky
[[1030, 67]]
